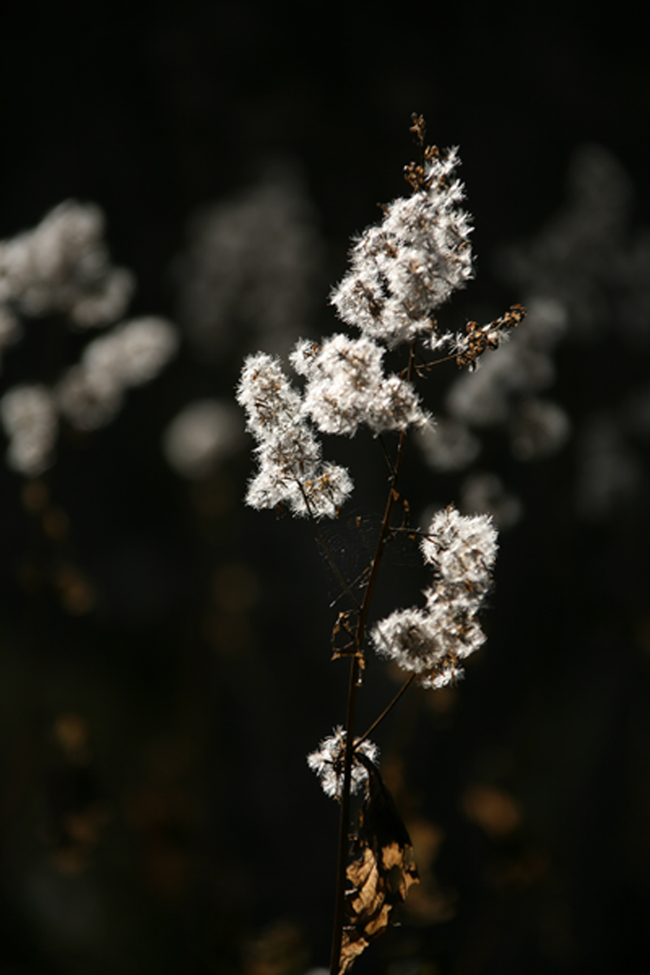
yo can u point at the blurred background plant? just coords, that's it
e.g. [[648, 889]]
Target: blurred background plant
[[157, 814]]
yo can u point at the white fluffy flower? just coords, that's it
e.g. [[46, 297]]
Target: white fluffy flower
[[291, 470], [347, 387], [29, 418], [329, 759], [90, 394], [202, 435], [431, 642], [62, 265], [87, 400], [412, 263], [133, 353], [462, 548]]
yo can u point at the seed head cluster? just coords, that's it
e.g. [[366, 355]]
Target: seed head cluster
[[412, 263], [328, 763], [62, 265], [401, 271], [432, 642], [291, 470], [346, 387], [62, 268]]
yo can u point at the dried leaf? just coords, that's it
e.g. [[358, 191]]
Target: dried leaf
[[381, 873]]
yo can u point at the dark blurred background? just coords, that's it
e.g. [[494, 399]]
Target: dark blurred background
[[164, 652]]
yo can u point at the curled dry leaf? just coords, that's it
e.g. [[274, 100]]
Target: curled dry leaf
[[381, 873]]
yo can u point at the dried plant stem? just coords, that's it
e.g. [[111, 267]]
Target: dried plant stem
[[403, 689], [355, 670], [344, 821]]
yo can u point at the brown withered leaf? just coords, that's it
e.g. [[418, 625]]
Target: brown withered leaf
[[381, 873]]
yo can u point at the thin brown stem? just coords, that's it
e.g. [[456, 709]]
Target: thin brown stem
[[403, 689], [344, 821], [425, 366]]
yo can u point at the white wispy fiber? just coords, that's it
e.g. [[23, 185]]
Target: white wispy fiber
[[329, 759], [201, 436], [433, 641], [346, 387], [90, 394], [404, 269], [291, 470], [63, 265], [30, 421]]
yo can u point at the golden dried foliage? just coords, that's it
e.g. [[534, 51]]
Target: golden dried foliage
[[381, 873]]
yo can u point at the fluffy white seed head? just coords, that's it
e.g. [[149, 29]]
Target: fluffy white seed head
[[201, 436], [88, 399], [133, 353], [291, 473], [406, 636], [412, 263], [328, 764], [267, 396], [90, 394], [62, 265], [291, 470], [347, 387], [462, 548], [431, 642], [29, 418]]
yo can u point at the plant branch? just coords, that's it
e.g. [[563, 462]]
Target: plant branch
[[344, 821], [405, 686]]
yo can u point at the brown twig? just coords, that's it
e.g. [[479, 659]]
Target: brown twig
[[403, 689], [344, 821]]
